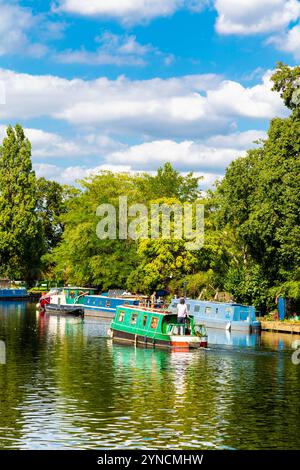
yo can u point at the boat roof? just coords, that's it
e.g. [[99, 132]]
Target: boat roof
[[121, 297], [229, 304], [147, 309], [75, 288]]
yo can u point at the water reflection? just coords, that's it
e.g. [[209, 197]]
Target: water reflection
[[66, 385], [233, 338]]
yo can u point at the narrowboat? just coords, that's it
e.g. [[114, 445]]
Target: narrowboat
[[14, 294], [230, 316], [67, 300], [151, 327], [105, 305]]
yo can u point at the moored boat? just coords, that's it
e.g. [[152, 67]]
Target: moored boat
[[67, 300], [228, 316], [156, 328], [14, 294], [105, 305]]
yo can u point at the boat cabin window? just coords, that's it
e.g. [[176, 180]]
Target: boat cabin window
[[121, 317], [133, 318], [197, 308], [188, 307], [145, 320], [154, 322], [208, 311], [107, 303], [126, 302]]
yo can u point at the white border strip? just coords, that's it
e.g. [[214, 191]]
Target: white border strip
[[2, 93]]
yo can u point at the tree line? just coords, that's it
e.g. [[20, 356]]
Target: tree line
[[252, 234]]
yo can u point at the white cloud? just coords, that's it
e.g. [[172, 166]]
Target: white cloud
[[232, 99], [214, 153], [182, 107], [234, 16], [92, 153], [207, 158], [119, 50], [48, 145], [16, 24], [255, 16], [71, 174], [288, 41], [128, 11]]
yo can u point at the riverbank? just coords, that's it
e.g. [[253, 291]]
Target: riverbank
[[280, 326]]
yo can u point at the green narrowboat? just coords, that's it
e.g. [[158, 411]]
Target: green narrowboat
[[156, 328]]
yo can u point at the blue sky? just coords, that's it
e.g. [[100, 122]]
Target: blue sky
[[130, 84]]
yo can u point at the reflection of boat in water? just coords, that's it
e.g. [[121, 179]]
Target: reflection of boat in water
[[230, 316], [233, 338], [8, 307], [156, 328], [59, 326], [151, 360], [67, 300]]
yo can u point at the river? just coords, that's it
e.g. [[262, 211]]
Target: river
[[65, 385]]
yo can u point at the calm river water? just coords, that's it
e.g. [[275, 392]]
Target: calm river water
[[65, 385]]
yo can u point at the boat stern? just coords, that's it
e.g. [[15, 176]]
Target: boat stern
[[188, 342]]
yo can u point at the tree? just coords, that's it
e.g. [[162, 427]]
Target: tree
[[169, 183], [259, 199], [21, 241], [83, 258], [51, 204], [287, 82]]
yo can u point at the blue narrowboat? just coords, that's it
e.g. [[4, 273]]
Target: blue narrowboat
[[230, 316], [13, 294], [105, 305]]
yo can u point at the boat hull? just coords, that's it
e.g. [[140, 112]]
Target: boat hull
[[76, 310], [14, 294], [173, 342], [234, 325], [100, 312]]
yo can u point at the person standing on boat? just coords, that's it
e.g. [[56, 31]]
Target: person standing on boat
[[182, 313], [153, 300]]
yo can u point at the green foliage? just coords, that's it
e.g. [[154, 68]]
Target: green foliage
[[169, 183], [287, 81], [29, 210], [21, 242], [83, 258], [50, 205], [248, 285]]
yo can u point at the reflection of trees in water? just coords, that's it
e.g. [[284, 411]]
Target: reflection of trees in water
[[18, 330], [105, 392]]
